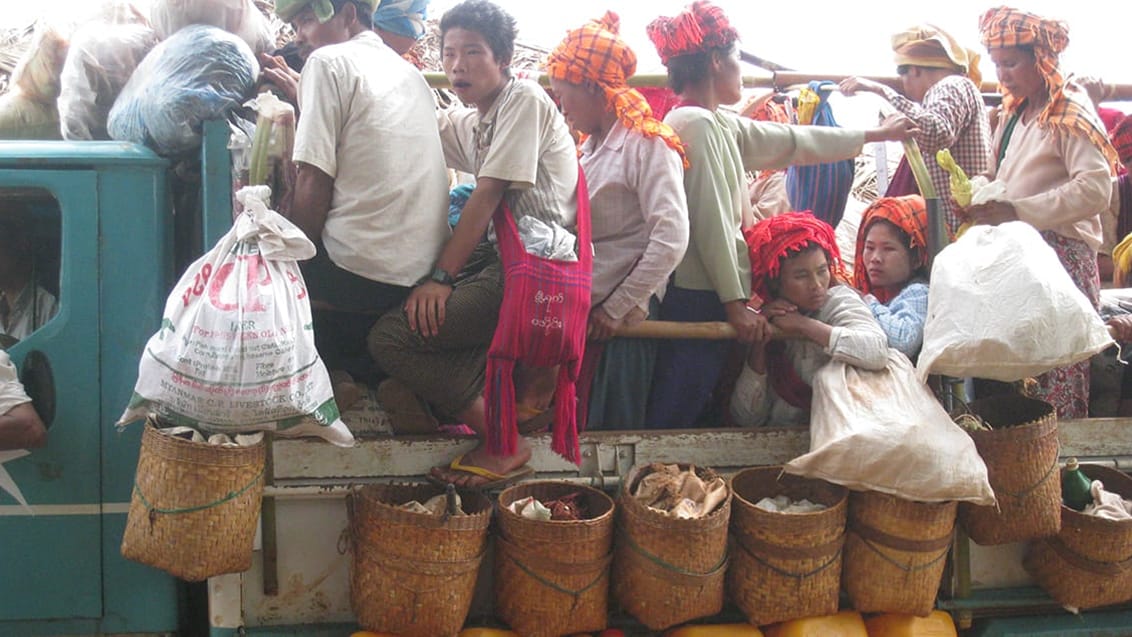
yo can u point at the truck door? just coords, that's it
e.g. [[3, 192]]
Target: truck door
[[51, 548]]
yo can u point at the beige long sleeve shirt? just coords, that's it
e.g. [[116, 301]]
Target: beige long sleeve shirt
[[1059, 182], [721, 147]]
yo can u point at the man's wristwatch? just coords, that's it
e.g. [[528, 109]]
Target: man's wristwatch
[[439, 276]]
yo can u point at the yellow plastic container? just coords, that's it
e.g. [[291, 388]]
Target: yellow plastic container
[[938, 624], [843, 624], [487, 632], [716, 630]]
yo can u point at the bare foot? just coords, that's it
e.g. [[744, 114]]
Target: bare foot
[[479, 457]]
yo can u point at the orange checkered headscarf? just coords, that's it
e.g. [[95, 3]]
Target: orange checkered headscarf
[[910, 214], [1122, 140], [772, 240], [594, 53], [699, 27], [1069, 108]]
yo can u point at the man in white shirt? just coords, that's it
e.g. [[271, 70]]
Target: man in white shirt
[[20, 425], [372, 190]]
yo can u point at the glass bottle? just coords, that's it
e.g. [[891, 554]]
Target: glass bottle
[[1076, 487]]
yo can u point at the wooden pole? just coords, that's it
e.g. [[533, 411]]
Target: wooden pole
[[785, 80]]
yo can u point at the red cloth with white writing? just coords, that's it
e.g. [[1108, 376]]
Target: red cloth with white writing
[[542, 323]]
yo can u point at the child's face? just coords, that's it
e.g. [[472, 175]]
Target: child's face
[[804, 280], [887, 260], [471, 67]]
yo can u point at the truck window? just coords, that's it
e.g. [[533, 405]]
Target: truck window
[[29, 262]]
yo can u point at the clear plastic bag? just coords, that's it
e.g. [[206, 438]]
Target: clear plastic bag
[[100, 61], [238, 17], [199, 73]]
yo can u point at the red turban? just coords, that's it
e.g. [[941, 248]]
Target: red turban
[[699, 27], [772, 240], [910, 214]]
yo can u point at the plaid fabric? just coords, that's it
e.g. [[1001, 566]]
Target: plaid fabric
[[542, 323], [771, 240], [821, 188], [1122, 140], [699, 27], [594, 53], [910, 214], [950, 116], [1069, 108]]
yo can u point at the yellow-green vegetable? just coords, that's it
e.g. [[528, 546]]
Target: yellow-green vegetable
[[960, 184]]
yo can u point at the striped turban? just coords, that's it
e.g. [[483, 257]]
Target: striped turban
[[772, 240], [1069, 108], [699, 27], [594, 53], [910, 214]]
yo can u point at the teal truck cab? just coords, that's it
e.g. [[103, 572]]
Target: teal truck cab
[[102, 219]]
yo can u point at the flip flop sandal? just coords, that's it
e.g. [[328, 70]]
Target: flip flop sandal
[[494, 480]]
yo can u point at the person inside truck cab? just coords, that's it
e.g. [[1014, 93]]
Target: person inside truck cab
[[795, 270], [24, 305], [20, 425], [517, 144], [378, 220], [713, 281]]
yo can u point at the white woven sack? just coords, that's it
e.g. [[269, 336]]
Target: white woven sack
[[235, 352], [885, 431], [1003, 307]]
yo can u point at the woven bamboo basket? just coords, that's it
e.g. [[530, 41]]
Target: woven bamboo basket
[[552, 577], [667, 571], [413, 574], [1021, 458], [195, 506], [785, 565], [895, 552], [1089, 562]]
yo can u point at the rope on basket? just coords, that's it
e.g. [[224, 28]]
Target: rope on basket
[[153, 511], [672, 567]]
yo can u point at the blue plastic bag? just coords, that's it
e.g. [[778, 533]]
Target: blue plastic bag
[[198, 73]]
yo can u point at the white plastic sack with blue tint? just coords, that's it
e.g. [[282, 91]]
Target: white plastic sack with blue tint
[[199, 73], [1003, 307], [235, 352]]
